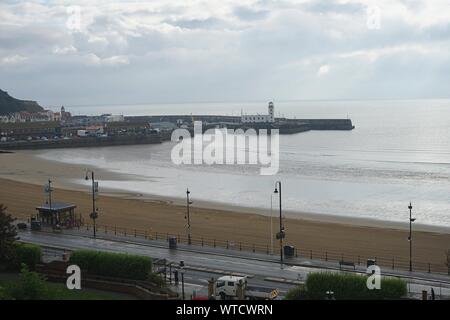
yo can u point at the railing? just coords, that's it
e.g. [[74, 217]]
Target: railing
[[387, 263]]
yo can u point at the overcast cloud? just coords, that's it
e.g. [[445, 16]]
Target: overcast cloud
[[219, 50]]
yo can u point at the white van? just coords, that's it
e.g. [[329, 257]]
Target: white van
[[227, 286]]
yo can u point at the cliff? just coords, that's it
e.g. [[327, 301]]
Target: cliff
[[9, 104]]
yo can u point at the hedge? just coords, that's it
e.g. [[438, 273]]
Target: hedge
[[108, 264], [297, 293], [29, 254], [352, 286]]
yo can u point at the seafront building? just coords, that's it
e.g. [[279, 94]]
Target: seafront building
[[49, 125], [29, 130], [260, 118], [43, 116]]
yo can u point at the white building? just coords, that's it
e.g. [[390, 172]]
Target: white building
[[114, 118], [260, 118]]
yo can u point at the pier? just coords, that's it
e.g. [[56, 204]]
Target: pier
[[285, 126]]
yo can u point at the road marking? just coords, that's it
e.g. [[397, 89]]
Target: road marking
[[203, 269], [282, 280]]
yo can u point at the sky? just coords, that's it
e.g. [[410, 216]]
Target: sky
[[95, 52]]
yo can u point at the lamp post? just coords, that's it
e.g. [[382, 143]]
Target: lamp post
[[188, 215], [49, 191], [93, 215], [182, 277], [281, 234], [271, 223], [411, 220]]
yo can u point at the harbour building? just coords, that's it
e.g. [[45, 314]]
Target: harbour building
[[260, 118]]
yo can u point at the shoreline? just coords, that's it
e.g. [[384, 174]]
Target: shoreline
[[62, 174], [21, 190]]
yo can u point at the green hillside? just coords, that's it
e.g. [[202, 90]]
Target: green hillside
[[9, 104]]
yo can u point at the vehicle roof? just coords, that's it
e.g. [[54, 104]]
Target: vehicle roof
[[230, 278]]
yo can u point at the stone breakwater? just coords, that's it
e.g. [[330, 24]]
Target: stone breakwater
[[84, 142], [285, 126]]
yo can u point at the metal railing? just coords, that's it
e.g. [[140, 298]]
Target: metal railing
[[388, 263]]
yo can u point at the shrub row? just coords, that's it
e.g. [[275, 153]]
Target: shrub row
[[297, 293], [28, 254], [112, 264], [346, 286], [352, 286]]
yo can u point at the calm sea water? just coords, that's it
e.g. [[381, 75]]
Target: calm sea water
[[399, 152]]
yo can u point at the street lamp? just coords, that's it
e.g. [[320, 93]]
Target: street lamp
[[93, 215], [281, 234], [411, 220], [49, 190], [271, 223], [182, 277], [188, 216]]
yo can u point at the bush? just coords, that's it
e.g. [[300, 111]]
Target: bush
[[351, 286], [157, 280], [31, 286], [297, 293], [112, 264], [391, 288], [3, 294], [28, 254]]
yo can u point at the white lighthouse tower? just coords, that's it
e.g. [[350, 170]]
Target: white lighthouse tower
[[260, 118]]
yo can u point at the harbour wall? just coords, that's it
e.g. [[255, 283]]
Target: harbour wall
[[286, 126], [84, 142]]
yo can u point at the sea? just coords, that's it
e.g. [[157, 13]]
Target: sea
[[399, 152]]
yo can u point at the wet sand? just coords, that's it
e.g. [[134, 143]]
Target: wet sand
[[22, 177]]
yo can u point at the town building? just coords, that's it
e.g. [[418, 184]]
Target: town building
[[23, 116], [260, 118], [25, 130], [65, 116], [85, 121], [127, 128], [114, 118]]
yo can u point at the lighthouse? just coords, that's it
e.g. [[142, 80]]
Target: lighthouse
[[260, 118]]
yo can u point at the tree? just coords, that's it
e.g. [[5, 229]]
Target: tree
[[8, 235]]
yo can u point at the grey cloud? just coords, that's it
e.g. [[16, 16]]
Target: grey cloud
[[245, 13], [209, 23], [333, 6], [273, 48], [38, 38]]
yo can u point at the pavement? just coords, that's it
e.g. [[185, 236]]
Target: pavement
[[264, 272]]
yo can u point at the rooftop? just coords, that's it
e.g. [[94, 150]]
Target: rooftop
[[57, 206], [22, 125]]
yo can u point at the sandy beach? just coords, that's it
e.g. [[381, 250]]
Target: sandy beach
[[22, 177]]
